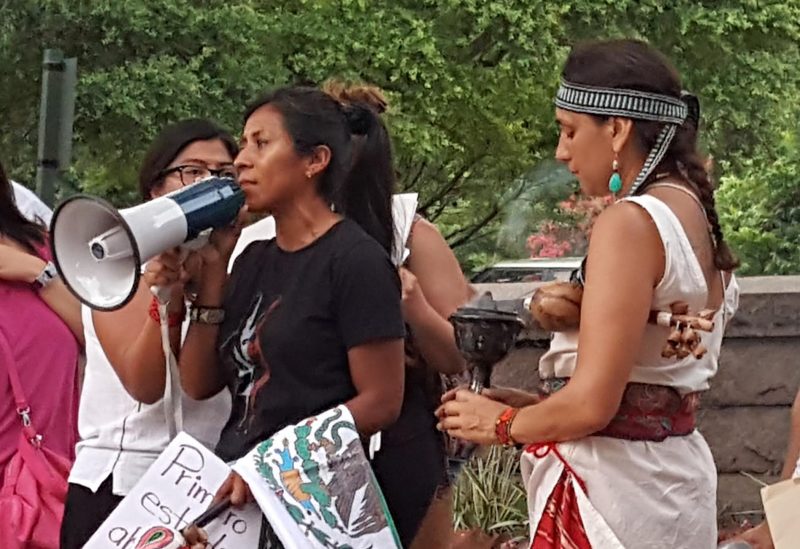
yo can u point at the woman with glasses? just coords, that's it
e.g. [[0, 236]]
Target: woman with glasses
[[122, 409]]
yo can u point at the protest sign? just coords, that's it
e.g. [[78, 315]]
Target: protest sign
[[178, 487]]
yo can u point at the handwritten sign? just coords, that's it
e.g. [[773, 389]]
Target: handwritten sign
[[178, 487]]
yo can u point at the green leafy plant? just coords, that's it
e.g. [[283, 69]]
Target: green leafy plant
[[489, 495]]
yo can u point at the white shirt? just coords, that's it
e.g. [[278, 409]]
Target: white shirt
[[122, 436], [30, 205], [683, 280]]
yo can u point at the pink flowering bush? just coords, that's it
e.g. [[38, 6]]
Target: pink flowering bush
[[571, 231]]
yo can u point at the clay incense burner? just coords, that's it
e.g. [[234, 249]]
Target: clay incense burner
[[484, 335]]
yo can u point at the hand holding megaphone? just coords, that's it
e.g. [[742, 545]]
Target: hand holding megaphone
[[184, 264], [222, 240], [166, 269]]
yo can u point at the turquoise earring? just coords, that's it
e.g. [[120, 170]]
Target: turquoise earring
[[615, 182]]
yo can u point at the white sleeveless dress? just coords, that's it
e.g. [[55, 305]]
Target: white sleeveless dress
[[643, 494]]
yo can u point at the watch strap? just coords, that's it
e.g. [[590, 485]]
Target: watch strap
[[49, 274], [206, 315]]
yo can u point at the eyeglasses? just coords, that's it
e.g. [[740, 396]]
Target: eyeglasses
[[189, 173]]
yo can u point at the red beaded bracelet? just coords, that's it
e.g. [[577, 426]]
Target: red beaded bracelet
[[173, 319], [502, 427]]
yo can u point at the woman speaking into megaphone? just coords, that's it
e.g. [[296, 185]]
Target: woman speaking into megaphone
[[311, 319], [125, 396]]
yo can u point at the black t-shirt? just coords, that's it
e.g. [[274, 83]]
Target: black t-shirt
[[290, 318]]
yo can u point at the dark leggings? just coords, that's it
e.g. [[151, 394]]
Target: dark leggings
[[84, 512], [409, 474]]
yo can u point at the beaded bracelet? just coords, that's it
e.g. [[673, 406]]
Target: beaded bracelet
[[173, 319], [502, 427]]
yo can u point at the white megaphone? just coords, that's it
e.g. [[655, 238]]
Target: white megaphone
[[99, 250]]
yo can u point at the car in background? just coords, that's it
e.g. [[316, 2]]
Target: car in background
[[528, 270]]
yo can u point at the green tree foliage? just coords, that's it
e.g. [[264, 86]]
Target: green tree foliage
[[470, 82], [761, 210]]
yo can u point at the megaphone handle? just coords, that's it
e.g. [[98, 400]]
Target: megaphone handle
[[173, 403], [163, 295]]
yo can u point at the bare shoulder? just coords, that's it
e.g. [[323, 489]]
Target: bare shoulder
[[625, 215], [426, 235], [429, 250], [625, 234], [435, 265]]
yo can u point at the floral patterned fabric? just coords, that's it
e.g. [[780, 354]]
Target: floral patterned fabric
[[646, 412]]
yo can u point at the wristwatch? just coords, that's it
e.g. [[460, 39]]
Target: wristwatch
[[206, 315], [48, 274]]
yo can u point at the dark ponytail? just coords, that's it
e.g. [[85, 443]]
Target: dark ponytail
[[366, 193], [633, 64], [14, 225]]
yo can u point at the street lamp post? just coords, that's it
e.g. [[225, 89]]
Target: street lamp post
[[56, 115]]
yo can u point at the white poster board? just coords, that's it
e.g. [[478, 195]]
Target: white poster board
[[404, 208], [263, 229], [173, 492], [781, 502]]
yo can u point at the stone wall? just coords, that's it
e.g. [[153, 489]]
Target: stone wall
[[745, 415]]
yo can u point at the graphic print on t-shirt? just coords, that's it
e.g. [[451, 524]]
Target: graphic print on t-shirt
[[247, 355], [243, 342], [259, 355]]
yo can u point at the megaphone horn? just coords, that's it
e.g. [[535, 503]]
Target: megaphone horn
[[99, 250]]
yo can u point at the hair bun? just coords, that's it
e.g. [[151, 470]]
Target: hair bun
[[359, 117], [370, 96]]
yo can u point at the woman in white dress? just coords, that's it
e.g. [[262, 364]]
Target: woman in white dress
[[612, 456]]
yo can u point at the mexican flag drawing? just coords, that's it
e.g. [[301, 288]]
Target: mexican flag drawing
[[316, 488]]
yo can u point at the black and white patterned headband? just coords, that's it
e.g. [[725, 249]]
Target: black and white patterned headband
[[634, 104]]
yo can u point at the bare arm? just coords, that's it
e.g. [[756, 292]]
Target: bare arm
[[131, 341], [625, 263], [436, 289], [377, 370], [793, 449], [65, 305], [201, 376], [17, 265]]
